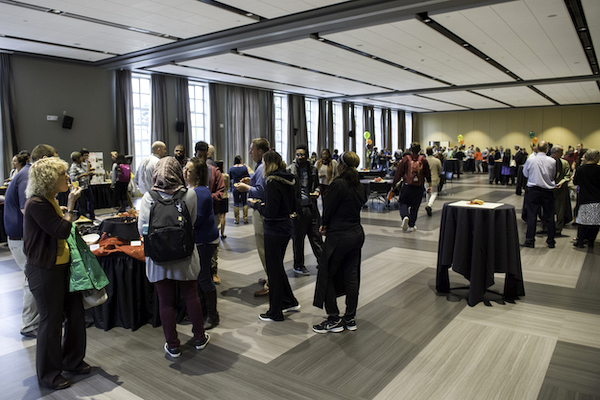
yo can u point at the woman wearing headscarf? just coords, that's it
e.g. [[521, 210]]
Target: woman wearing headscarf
[[278, 209], [339, 266], [587, 176], [327, 169], [46, 226], [206, 234], [170, 275]]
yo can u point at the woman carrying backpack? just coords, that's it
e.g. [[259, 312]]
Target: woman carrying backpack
[[119, 180], [277, 210], [181, 273]]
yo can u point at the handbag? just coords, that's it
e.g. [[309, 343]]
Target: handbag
[[93, 297]]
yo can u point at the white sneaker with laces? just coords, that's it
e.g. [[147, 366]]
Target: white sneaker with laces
[[405, 224]]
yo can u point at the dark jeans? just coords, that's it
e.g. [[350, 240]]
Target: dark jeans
[[120, 195], [280, 291], [205, 280], [167, 299], [345, 259], [587, 232], [56, 352], [537, 197], [239, 198], [308, 223], [86, 203], [410, 200]]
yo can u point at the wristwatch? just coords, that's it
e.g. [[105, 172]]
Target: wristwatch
[[71, 211]]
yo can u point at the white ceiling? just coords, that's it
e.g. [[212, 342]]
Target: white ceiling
[[534, 39]]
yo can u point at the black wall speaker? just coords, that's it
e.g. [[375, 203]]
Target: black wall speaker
[[67, 122], [180, 126]]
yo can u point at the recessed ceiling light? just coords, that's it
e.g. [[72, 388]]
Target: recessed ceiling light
[[249, 14], [551, 15], [56, 11], [582, 29], [465, 44]]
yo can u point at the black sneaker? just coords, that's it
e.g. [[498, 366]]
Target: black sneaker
[[201, 344], [268, 318], [429, 211], [301, 271], [172, 352], [329, 325], [350, 324]]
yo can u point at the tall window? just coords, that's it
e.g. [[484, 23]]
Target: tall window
[[360, 132], [312, 119], [409, 130], [281, 119], [199, 112], [395, 131], [338, 131], [142, 116], [378, 129]]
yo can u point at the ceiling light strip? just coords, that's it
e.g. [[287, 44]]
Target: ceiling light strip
[[424, 18], [58, 45], [376, 58], [443, 101], [490, 98], [400, 104], [253, 78], [309, 69], [88, 19], [236, 10], [581, 27], [538, 91]]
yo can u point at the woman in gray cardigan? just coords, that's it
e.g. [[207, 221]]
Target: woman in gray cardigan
[[169, 275]]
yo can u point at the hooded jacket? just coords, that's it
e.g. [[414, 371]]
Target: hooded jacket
[[280, 203], [312, 185]]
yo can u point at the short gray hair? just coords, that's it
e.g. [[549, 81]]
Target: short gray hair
[[556, 148], [592, 155]]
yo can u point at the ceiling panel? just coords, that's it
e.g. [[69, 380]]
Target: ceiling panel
[[418, 102], [516, 96], [229, 79], [277, 8], [467, 99], [413, 44], [246, 66], [389, 104], [49, 50], [573, 93], [316, 55], [47, 27], [592, 15], [532, 38], [179, 18]]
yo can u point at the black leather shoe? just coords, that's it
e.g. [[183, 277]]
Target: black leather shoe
[[551, 245], [84, 370], [63, 385], [528, 245], [30, 334]]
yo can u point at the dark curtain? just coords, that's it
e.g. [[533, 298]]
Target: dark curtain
[[183, 114], [7, 115], [296, 130], [330, 123], [386, 126], [248, 114], [369, 122], [124, 112], [413, 135], [401, 129], [159, 109], [352, 128], [345, 127], [322, 127]]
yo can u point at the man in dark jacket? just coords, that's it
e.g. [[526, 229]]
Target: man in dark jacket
[[309, 220]]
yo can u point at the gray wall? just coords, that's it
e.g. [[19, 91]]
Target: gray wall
[[45, 87]]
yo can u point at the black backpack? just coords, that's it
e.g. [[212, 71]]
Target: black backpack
[[170, 230]]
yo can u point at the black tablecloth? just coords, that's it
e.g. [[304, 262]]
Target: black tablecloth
[[452, 165], [476, 243], [103, 196], [132, 300], [370, 174]]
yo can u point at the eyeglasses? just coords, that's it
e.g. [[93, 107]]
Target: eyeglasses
[[301, 155]]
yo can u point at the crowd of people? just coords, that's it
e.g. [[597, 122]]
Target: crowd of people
[[284, 203]]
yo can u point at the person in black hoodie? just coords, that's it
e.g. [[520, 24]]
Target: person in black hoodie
[[278, 210], [339, 266]]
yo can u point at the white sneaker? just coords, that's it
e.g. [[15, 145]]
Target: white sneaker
[[411, 229], [405, 224]]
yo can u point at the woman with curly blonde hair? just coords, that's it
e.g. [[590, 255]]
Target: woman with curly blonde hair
[[327, 168], [46, 226]]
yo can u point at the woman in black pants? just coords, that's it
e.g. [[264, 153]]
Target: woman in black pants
[[278, 209], [46, 226], [339, 266]]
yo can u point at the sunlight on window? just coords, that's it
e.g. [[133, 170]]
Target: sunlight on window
[[142, 116]]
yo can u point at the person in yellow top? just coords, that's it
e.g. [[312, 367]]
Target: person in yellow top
[[46, 226]]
